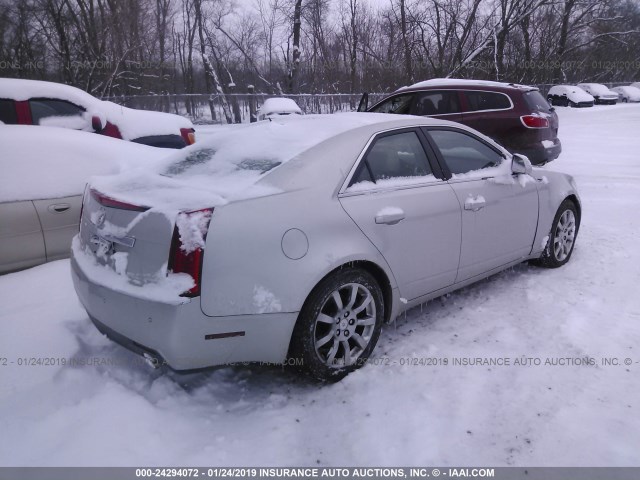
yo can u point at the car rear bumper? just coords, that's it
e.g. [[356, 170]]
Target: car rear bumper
[[181, 336], [541, 154]]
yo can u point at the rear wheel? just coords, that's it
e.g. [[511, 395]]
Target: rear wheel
[[338, 326], [562, 238]]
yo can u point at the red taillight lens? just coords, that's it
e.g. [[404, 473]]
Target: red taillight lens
[[187, 246], [106, 201], [188, 135], [534, 121]]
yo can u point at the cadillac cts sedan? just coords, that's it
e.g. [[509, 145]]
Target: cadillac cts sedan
[[298, 238]]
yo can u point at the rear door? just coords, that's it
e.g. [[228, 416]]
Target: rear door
[[443, 104], [59, 219], [499, 213], [21, 241], [491, 113], [398, 199]]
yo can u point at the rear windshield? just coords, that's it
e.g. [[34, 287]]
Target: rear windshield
[[536, 102], [203, 162]]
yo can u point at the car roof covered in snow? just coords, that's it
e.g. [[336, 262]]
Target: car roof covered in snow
[[47, 162], [279, 105], [464, 83], [132, 123], [313, 151]]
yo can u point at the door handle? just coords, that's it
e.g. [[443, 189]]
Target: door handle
[[390, 218], [475, 203], [59, 207]]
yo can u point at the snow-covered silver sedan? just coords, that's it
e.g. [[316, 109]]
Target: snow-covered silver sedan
[[296, 239]]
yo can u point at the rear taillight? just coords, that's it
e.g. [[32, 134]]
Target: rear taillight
[[187, 246], [188, 135], [106, 201], [535, 121]]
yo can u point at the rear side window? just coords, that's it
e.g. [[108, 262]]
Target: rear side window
[[393, 156], [463, 153], [436, 103], [8, 112], [399, 104], [536, 102], [478, 100], [44, 107]]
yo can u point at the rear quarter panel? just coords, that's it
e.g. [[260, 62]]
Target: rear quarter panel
[[245, 270]]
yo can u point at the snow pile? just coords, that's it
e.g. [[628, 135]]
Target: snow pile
[[265, 300], [46, 162], [229, 164], [389, 211], [390, 183], [192, 228], [132, 123], [74, 122]]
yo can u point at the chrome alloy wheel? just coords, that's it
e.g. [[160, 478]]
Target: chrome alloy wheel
[[345, 325], [564, 235]]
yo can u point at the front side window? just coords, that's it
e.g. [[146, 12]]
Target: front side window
[[463, 153], [399, 104], [8, 112], [436, 103], [394, 156], [479, 100], [44, 107]]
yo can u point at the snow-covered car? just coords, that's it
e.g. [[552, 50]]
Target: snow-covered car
[[635, 85], [628, 93], [44, 172], [601, 94], [278, 106], [34, 102], [302, 241], [569, 96]]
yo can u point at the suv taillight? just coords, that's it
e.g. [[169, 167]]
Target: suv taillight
[[534, 121], [187, 246]]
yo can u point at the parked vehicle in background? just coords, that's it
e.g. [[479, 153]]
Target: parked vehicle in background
[[627, 94], [299, 237], [44, 172], [516, 116], [635, 85], [569, 96], [277, 107], [33, 102], [601, 94]]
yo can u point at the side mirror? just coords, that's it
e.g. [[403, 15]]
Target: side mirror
[[520, 164]]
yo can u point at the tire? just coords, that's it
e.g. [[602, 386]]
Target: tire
[[551, 101], [625, 100], [572, 104], [562, 238], [328, 323]]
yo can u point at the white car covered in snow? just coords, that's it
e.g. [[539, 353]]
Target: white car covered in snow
[[628, 93], [601, 94], [278, 106], [33, 102], [569, 96], [44, 172]]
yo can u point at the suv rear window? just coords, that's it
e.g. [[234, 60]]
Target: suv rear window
[[479, 100], [8, 112], [536, 102]]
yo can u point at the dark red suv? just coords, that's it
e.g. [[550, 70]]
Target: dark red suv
[[516, 116]]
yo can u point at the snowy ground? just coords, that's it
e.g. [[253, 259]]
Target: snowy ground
[[388, 414]]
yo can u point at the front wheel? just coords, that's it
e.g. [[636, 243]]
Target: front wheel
[[338, 326], [562, 238]]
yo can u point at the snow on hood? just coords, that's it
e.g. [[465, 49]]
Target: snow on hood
[[132, 123], [597, 89], [228, 165], [574, 93], [47, 162], [632, 93]]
